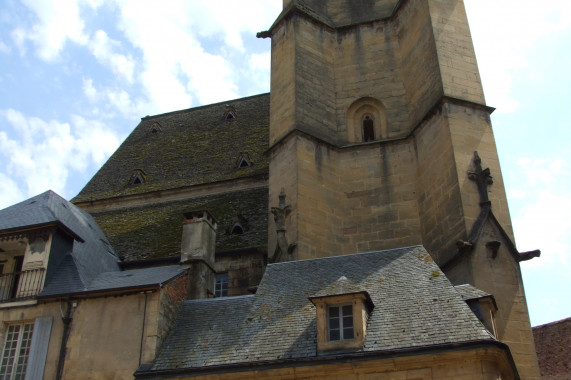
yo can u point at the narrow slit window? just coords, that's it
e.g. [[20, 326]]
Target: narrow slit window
[[368, 129]]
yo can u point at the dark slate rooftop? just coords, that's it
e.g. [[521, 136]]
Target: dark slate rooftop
[[91, 255], [117, 280], [470, 292], [415, 306], [184, 148], [155, 230]]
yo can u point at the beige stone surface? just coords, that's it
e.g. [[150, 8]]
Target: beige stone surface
[[416, 72], [480, 363]]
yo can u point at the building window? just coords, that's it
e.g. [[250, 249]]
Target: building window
[[368, 129], [221, 285], [16, 351], [340, 322], [237, 229], [137, 178]]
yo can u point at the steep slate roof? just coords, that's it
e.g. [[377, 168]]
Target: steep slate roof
[[185, 148], [155, 230], [415, 307], [91, 255], [116, 281]]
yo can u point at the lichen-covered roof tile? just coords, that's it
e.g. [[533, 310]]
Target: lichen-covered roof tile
[[155, 230], [185, 148]]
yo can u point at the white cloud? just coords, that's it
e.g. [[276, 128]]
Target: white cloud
[[503, 33], [41, 155], [102, 47], [10, 193], [4, 48], [544, 215], [179, 67], [89, 91], [58, 22], [258, 71]]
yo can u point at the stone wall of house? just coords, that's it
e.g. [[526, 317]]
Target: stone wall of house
[[171, 297], [111, 336], [481, 363], [28, 314], [244, 268]]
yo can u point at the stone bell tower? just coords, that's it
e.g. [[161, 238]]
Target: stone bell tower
[[376, 110]]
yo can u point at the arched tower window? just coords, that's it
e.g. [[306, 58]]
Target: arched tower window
[[366, 121], [368, 128]]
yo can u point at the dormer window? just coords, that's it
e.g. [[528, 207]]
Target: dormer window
[[237, 229], [342, 311], [155, 128], [243, 161], [230, 113], [340, 322], [482, 304], [137, 178]]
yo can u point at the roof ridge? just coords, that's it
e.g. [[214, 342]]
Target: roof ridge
[[233, 298], [150, 117], [345, 255]]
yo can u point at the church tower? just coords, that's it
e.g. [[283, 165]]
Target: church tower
[[380, 138]]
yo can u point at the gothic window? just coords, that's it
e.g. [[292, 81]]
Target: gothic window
[[340, 322], [368, 129], [16, 351], [366, 121], [221, 285]]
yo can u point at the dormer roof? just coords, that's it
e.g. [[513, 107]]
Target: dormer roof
[[91, 254]]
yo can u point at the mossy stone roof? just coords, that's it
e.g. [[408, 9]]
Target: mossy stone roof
[[184, 148], [155, 230]]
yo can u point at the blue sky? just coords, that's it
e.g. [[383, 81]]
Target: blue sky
[[77, 76]]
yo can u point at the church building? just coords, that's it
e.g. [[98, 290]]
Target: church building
[[350, 224]]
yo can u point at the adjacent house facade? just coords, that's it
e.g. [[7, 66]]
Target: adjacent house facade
[[352, 223]]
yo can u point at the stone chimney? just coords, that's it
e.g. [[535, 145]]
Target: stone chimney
[[197, 252]]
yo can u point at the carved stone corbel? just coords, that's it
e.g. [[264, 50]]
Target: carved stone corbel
[[482, 178], [280, 214]]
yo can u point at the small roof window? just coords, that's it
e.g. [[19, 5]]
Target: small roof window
[[137, 178], [230, 113], [155, 128], [342, 311]]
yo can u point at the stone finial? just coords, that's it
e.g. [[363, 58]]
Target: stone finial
[[482, 178], [280, 214]]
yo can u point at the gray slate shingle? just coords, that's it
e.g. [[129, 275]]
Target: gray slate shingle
[[91, 255], [415, 306]]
